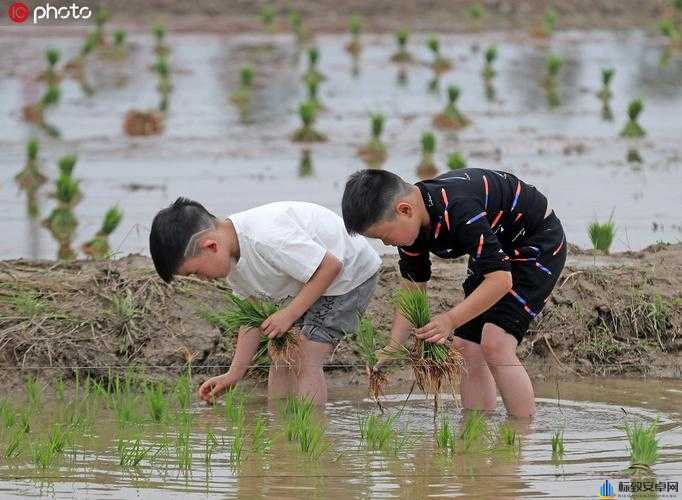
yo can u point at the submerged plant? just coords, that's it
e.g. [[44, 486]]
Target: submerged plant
[[313, 86], [157, 403], [475, 434], [606, 77], [307, 133], [402, 55], [602, 235], [490, 56], [456, 161], [451, 117], [160, 47], [446, 438], [553, 63], [355, 26], [162, 69], [367, 342], [633, 156], [433, 364], [302, 427], [632, 128], [378, 432], [374, 152], [439, 63], [131, 453], [305, 166], [313, 58], [643, 444], [508, 438], [558, 445], [98, 247], [50, 75], [242, 96], [427, 167]]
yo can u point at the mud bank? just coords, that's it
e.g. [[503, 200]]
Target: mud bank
[[618, 314]]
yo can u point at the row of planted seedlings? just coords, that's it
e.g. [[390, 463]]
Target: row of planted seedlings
[[142, 122], [62, 221]]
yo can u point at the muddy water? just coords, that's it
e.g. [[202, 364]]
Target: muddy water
[[232, 162], [590, 412]]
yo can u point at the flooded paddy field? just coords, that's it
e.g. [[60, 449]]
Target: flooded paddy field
[[114, 445], [232, 160]]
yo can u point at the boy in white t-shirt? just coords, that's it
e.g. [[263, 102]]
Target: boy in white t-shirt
[[279, 251]]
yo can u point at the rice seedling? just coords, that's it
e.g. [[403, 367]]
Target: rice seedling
[[669, 29], [98, 247], [476, 13], [101, 18], [606, 76], [118, 49], [30, 177], [632, 128], [553, 65], [427, 167], [490, 56], [377, 432], [50, 75], [313, 86], [48, 450], [243, 313], [297, 26], [402, 55], [75, 65], [14, 444], [131, 453], [558, 447], [355, 26], [475, 434], [508, 438], [606, 111], [432, 364], [60, 389], [307, 112], [305, 165], [446, 438], [210, 445], [235, 401], [267, 16], [643, 444], [164, 87], [367, 342], [451, 117], [237, 444], [439, 64], [549, 21], [34, 393], [35, 113], [160, 47], [62, 221], [157, 404], [313, 72], [456, 161], [8, 415], [633, 156], [259, 441], [602, 235], [183, 446], [374, 151], [183, 391], [242, 96]]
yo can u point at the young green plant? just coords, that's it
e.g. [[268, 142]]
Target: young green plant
[[427, 167], [456, 161], [643, 444], [367, 342], [601, 234], [98, 247], [374, 152], [307, 110], [402, 55], [439, 64], [355, 27], [451, 117], [632, 129], [606, 76]]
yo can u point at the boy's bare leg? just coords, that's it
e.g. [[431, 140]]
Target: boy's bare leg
[[499, 350], [281, 381], [311, 381], [477, 385]]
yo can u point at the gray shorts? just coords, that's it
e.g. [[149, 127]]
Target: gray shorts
[[332, 317]]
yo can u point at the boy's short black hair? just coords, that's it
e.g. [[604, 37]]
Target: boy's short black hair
[[171, 231], [369, 196]]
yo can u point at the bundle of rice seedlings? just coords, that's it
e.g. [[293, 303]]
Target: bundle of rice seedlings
[[62, 221], [374, 152], [30, 177], [35, 113], [251, 314], [606, 77], [643, 445], [355, 26], [242, 96], [267, 15], [367, 342], [101, 17], [632, 128], [50, 75], [99, 246], [427, 167], [296, 23], [451, 117], [602, 234], [402, 55], [490, 56], [307, 133], [439, 64], [160, 46], [456, 161], [313, 73], [432, 364]]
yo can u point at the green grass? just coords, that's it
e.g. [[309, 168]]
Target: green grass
[[643, 443], [378, 432], [602, 234], [558, 445]]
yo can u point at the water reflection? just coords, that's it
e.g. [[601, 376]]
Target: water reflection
[[305, 165]]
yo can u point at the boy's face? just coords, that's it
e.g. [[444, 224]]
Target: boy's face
[[400, 230], [213, 261]]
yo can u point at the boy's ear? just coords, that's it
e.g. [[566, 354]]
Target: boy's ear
[[403, 208], [210, 244]]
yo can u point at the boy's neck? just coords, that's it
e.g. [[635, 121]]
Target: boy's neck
[[228, 230], [422, 212]]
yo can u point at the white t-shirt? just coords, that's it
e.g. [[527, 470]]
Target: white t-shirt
[[282, 244]]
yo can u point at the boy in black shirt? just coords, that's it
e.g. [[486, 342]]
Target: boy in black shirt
[[516, 247]]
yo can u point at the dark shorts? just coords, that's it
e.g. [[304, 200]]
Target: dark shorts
[[332, 317], [537, 262]]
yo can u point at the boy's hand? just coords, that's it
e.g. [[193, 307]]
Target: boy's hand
[[438, 329], [277, 323], [214, 387]]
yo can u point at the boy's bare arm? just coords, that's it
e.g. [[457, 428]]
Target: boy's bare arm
[[495, 286], [247, 345], [322, 278]]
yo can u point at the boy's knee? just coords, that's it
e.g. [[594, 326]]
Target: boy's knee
[[496, 344]]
